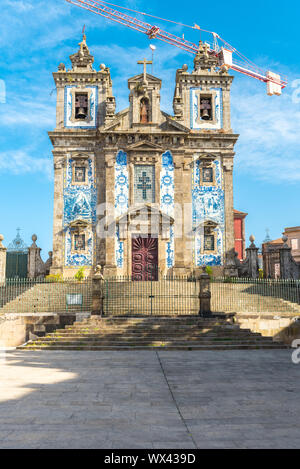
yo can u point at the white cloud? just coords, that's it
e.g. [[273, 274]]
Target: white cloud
[[21, 162], [269, 129], [28, 113]]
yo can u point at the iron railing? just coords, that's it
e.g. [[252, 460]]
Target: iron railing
[[255, 295], [45, 296], [165, 296]]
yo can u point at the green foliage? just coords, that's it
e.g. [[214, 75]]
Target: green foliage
[[209, 270], [54, 278], [79, 276], [261, 273]]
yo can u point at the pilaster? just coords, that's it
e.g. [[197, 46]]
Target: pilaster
[[58, 210]]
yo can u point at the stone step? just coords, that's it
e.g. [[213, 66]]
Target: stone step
[[153, 343], [166, 348], [150, 336]]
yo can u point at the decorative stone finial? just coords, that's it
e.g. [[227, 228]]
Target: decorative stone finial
[[252, 239], [1, 239], [61, 67], [284, 239], [185, 67], [204, 59], [34, 238], [82, 60], [98, 272], [102, 67]]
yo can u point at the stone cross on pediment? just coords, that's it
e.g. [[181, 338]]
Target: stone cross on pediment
[[145, 62]]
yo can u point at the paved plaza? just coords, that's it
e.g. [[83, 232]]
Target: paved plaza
[[114, 400]]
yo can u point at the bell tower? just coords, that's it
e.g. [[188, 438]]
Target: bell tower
[[84, 103], [202, 104], [84, 95], [202, 97]]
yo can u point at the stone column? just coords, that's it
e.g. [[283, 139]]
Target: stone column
[[2, 261], [204, 295], [36, 266], [229, 261], [289, 268], [58, 241], [252, 255], [98, 293], [110, 267]]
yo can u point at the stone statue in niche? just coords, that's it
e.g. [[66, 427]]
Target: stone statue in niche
[[144, 111]]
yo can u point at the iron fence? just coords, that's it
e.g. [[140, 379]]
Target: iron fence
[[255, 295], [165, 296], [44, 296]]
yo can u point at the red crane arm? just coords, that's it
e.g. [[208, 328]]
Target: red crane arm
[[274, 82]]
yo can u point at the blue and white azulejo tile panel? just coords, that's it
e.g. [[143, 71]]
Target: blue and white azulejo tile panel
[[79, 204], [121, 199], [196, 121], [93, 108], [208, 206], [78, 260], [167, 199]]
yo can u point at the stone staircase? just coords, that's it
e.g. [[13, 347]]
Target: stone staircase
[[153, 333]]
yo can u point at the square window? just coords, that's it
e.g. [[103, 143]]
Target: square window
[[144, 183], [79, 242], [207, 175], [209, 242], [79, 174]]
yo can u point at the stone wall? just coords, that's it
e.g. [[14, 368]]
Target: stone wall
[[16, 329], [283, 328]]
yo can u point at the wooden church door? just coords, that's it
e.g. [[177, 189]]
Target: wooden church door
[[144, 258]]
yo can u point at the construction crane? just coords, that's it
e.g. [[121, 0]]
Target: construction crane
[[228, 56]]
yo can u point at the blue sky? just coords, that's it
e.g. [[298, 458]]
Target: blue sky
[[37, 35]]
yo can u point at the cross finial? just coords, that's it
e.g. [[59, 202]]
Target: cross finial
[[145, 62]]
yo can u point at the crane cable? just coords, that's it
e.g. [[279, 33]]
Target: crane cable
[[156, 17]]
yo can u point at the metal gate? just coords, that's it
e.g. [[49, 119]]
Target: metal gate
[[16, 258], [271, 260], [166, 296], [16, 265]]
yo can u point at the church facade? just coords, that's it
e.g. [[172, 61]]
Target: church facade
[[141, 191]]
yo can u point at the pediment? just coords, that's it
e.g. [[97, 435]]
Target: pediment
[[144, 145], [144, 209], [140, 77]]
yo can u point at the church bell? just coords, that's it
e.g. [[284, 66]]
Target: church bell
[[205, 115], [81, 114]]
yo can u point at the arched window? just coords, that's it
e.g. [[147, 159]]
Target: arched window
[[145, 111]]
